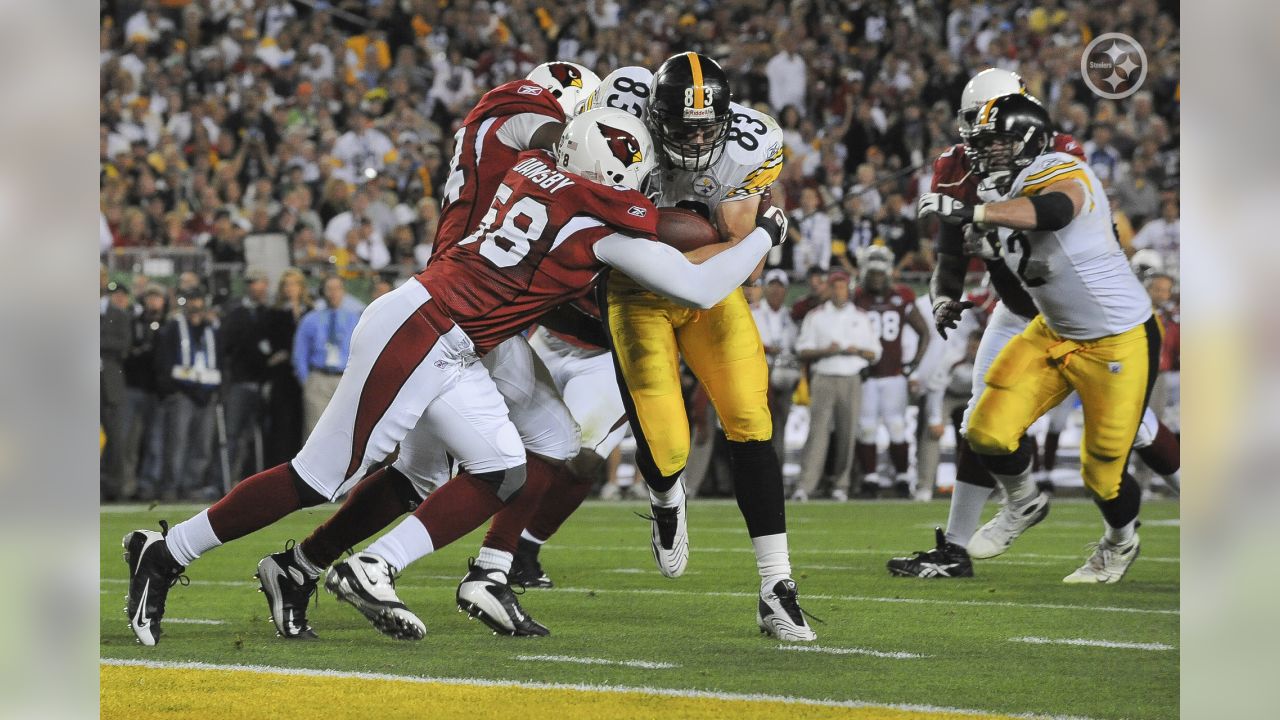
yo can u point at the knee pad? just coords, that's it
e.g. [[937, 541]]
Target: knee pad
[[897, 431], [506, 483], [985, 443], [867, 434]]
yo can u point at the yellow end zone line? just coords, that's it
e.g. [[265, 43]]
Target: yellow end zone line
[[133, 688]]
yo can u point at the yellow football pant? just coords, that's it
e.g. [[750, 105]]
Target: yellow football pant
[[721, 346], [1039, 368]]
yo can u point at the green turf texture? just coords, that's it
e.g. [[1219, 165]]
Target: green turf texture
[[837, 550]]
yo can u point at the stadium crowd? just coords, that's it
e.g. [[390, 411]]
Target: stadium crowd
[[330, 124]]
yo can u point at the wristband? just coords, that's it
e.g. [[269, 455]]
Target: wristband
[[979, 214]]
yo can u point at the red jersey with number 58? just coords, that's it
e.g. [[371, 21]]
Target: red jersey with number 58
[[889, 317], [481, 158], [533, 250]]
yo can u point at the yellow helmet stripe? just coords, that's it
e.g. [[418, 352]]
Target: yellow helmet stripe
[[986, 109], [696, 68]]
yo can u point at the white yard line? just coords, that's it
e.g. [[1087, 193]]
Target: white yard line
[[645, 664], [646, 690], [194, 621], [1084, 642], [846, 551], [853, 651], [809, 596]]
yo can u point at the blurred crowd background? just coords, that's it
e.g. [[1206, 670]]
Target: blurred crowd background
[[266, 160]]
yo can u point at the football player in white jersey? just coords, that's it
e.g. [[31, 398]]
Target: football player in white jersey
[[718, 158], [1095, 332]]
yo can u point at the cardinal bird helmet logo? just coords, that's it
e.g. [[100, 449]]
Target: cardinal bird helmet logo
[[622, 144], [566, 74]]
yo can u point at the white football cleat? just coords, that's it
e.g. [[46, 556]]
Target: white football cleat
[[1108, 563], [997, 535], [839, 495], [368, 583], [779, 615], [670, 538]]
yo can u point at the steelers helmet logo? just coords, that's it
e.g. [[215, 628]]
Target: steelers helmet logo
[[622, 144], [566, 74]]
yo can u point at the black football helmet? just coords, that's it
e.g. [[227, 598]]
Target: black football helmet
[[689, 111], [1008, 133]]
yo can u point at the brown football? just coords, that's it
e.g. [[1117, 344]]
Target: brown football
[[685, 230]]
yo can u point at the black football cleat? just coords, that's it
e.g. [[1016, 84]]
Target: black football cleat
[[288, 590], [486, 596], [526, 570], [152, 571], [947, 560]]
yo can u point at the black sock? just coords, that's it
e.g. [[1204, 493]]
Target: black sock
[[757, 485], [1123, 508]]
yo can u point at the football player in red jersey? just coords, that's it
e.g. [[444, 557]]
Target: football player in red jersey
[[507, 120], [884, 391], [414, 379]]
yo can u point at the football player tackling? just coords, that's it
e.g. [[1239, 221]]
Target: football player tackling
[[1095, 332], [717, 157]]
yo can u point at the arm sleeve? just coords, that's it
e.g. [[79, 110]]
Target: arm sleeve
[[664, 270], [517, 132]]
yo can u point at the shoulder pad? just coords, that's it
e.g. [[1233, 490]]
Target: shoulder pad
[[753, 156], [1045, 170]]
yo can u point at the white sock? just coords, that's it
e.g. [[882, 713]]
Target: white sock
[[772, 559], [311, 569], [191, 538], [491, 559], [670, 498], [1120, 535], [966, 510], [526, 535], [407, 542]]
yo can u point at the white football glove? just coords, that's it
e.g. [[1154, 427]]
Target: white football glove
[[947, 208]]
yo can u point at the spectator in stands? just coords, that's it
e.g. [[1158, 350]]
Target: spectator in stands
[[1162, 235], [187, 377], [362, 151], [840, 342], [1136, 193], [245, 345], [898, 231], [811, 233], [778, 333], [320, 350]]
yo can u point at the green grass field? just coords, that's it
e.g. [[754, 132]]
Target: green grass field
[[905, 641]]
